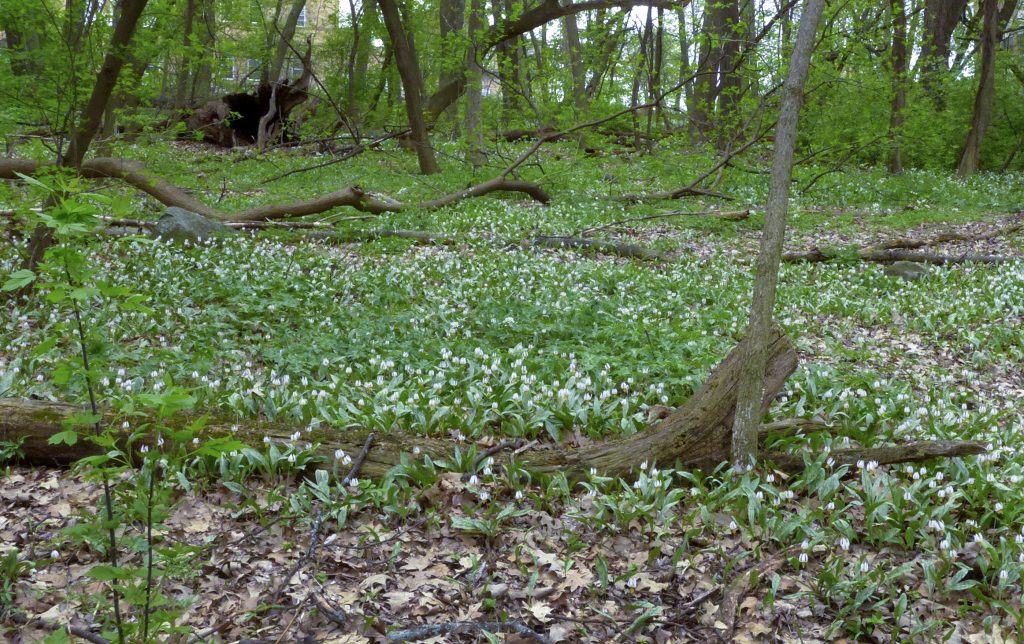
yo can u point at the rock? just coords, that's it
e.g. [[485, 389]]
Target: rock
[[909, 271], [181, 225]]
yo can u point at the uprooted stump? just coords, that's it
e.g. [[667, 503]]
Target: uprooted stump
[[695, 436], [258, 117]]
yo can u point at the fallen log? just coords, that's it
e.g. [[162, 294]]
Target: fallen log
[[695, 436], [898, 249], [728, 215], [888, 255], [599, 246], [426, 238]]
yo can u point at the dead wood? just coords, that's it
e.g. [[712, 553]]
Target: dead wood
[[730, 215], [898, 249], [426, 238], [884, 255], [260, 117], [136, 175], [695, 436], [678, 193], [599, 246]]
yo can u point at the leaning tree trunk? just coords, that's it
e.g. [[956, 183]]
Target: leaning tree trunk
[[412, 85], [940, 19], [752, 375], [694, 436]]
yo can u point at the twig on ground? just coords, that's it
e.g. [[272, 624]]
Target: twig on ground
[[330, 610], [77, 631], [434, 630], [358, 463], [513, 443]]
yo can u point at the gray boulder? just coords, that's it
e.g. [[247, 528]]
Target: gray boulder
[[181, 225], [909, 271]]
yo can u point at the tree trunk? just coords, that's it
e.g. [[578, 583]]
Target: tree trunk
[[684, 58], [474, 134], [577, 71], [940, 19], [202, 79], [695, 435], [412, 85], [185, 61], [749, 405], [284, 41], [128, 13], [452, 16], [982, 114], [899, 80]]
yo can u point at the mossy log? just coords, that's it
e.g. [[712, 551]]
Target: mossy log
[[695, 436]]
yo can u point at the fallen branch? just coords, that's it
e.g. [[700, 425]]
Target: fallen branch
[[666, 195], [906, 453], [435, 630], [77, 631], [136, 175], [606, 247]]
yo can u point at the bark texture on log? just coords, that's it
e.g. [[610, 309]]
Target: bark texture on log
[[696, 435]]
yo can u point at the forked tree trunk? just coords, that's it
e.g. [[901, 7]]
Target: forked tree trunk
[[752, 374], [694, 436]]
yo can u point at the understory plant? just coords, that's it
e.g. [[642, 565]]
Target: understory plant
[[139, 458]]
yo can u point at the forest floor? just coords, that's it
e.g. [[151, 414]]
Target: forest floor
[[482, 341]]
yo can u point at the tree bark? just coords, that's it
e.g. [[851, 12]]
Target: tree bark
[[452, 16], [693, 437], [899, 81], [412, 85], [752, 374], [981, 116], [284, 40], [474, 134], [185, 60], [940, 19], [128, 14]]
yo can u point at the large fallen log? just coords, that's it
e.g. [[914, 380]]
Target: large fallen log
[[695, 436]]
